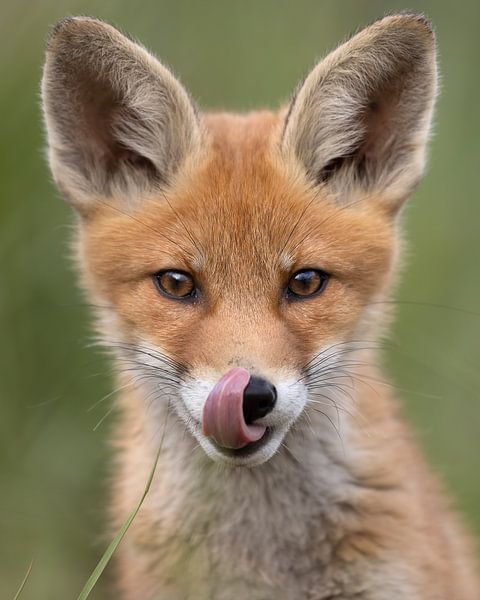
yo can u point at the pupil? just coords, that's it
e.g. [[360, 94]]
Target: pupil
[[179, 284], [306, 280], [176, 283], [177, 280]]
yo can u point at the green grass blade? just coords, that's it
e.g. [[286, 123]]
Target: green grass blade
[[103, 562], [25, 579]]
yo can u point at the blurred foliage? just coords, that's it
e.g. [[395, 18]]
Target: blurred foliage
[[236, 55]]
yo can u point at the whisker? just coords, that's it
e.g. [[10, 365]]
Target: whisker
[[109, 395], [332, 403], [332, 424], [109, 412], [290, 452], [423, 304], [148, 351], [135, 366]]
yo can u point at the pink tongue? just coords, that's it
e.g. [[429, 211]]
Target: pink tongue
[[223, 418]]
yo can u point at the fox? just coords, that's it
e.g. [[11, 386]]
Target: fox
[[239, 268]]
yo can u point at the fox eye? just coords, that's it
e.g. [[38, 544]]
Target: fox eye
[[175, 284], [306, 283]]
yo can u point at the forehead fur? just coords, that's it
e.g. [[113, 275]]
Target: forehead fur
[[241, 209], [241, 221]]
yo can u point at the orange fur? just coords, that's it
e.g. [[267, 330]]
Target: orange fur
[[347, 513], [242, 186], [399, 509]]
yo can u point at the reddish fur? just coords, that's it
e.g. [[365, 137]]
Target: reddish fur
[[241, 184], [399, 508], [247, 201]]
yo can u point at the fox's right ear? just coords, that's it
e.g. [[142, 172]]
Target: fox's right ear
[[118, 122]]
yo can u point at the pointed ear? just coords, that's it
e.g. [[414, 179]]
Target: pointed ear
[[118, 122], [359, 123]]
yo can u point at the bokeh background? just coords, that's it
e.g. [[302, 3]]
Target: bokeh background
[[235, 55]]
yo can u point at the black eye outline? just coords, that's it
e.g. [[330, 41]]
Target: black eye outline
[[190, 297], [324, 278]]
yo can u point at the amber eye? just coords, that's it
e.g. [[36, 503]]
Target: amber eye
[[308, 282], [175, 284]]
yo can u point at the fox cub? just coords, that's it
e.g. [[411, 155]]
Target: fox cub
[[238, 265]]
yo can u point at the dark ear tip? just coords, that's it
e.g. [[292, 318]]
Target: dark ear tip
[[421, 20], [412, 20], [71, 24]]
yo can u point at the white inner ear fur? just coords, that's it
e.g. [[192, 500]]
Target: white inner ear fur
[[360, 121]]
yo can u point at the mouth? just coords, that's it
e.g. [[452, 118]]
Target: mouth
[[241, 419], [224, 414], [249, 450], [251, 455]]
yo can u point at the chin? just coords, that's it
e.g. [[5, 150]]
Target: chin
[[251, 455]]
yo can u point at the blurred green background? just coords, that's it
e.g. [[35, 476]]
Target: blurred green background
[[236, 55]]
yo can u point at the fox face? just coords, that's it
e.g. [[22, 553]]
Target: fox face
[[237, 262]]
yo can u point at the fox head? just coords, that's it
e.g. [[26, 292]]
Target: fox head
[[236, 260]]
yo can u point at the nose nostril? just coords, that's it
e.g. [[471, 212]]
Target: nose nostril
[[259, 398]]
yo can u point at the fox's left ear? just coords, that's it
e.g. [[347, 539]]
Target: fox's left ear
[[359, 123]]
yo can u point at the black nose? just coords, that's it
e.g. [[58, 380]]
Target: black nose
[[259, 398]]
